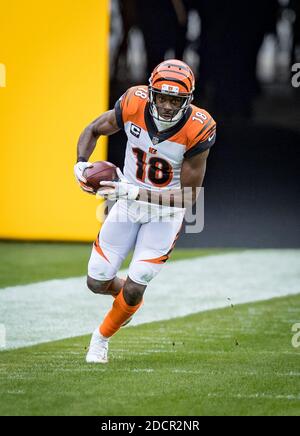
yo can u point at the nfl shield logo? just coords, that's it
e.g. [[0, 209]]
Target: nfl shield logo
[[155, 140]]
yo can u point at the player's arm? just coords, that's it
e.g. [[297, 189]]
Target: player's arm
[[106, 125], [192, 176], [193, 173]]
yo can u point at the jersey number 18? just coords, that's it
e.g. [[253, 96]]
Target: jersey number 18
[[160, 171]]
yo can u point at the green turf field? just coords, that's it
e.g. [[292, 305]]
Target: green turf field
[[234, 361], [22, 263], [225, 362]]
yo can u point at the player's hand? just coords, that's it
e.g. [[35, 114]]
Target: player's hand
[[79, 169], [115, 190], [121, 176], [86, 188]]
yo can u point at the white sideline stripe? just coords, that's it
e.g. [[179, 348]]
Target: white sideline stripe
[[58, 309], [256, 396]]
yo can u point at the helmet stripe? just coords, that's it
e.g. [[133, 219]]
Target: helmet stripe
[[182, 66], [173, 72]]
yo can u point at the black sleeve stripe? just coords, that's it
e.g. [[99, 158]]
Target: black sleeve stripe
[[119, 116], [199, 148], [204, 128], [209, 133]]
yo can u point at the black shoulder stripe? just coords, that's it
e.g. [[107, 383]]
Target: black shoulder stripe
[[203, 130], [209, 133]]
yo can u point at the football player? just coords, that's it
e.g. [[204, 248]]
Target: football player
[[167, 149]]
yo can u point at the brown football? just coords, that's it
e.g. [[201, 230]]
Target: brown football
[[100, 172]]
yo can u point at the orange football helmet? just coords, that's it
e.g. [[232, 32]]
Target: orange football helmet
[[174, 78]]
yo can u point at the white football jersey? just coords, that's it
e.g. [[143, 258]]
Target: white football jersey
[[154, 159]]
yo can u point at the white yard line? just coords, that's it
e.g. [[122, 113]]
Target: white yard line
[[58, 309]]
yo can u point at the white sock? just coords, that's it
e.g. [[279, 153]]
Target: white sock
[[103, 338]]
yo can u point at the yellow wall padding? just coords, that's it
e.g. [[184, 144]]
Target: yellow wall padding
[[53, 83]]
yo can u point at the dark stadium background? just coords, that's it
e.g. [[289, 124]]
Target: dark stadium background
[[243, 55]]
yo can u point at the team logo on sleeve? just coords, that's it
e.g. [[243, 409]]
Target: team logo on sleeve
[[135, 130]]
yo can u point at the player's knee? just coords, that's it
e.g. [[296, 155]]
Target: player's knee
[[143, 272], [97, 287], [133, 292]]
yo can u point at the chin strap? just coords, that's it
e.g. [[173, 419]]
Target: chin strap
[[164, 125], [160, 123]]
